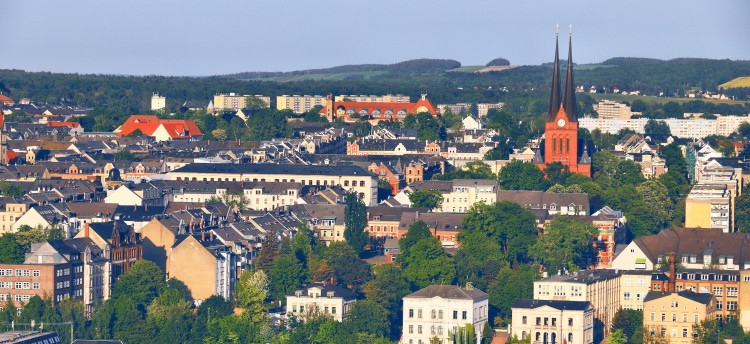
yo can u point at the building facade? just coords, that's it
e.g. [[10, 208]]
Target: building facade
[[234, 101], [299, 104], [672, 315], [320, 297], [158, 102], [443, 311], [551, 321]]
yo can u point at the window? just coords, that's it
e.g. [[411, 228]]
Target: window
[[718, 304], [440, 314], [301, 309], [419, 329], [695, 318], [674, 317], [333, 310], [26, 285], [36, 273], [718, 291], [411, 328], [411, 313], [419, 313], [294, 308], [731, 292], [432, 330], [663, 317], [463, 315], [570, 321], [684, 332], [627, 296], [434, 315], [684, 317], [19, 285], [652, 316], [731, 305], [538, 319], [523, 320]]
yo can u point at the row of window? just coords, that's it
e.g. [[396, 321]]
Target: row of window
[[545, 321], [19, 285], [20, 272], [437, 314], [302, 309]]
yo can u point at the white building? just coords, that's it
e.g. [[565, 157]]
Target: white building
[[552, 321], [683, 128], [299, 104], [442, 311], [320, 297], [158, 102]]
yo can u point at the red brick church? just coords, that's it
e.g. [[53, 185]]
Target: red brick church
[[561, 130]]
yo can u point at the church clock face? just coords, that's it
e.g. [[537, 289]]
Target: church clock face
[[561, 122]]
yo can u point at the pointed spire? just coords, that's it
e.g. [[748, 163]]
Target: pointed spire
[[570, 88], [585, 159], [554, 98]]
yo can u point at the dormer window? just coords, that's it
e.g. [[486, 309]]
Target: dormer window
[[329, 294], [298, 293]]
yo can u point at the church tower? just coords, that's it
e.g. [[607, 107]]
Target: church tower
[[561, 128]]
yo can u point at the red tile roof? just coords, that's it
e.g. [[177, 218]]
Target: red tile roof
[[63, 124], [148, 125], [382, 107], [10, 155], [5, 100]]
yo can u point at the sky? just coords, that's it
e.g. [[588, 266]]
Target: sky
[[212, 37]]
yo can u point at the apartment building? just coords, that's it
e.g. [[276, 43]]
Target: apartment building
[[388, 98], [320, 297], [10, 214], [235, 101], [599, 287], [349, 177], [443, 226], [694, 248], [709, 206], [457, 108], [609, 109], [255, 195], [443, 311], [158, 102], [299, 104], [683, 128], [634, 285], [204, 264], [673, 315], [59, 270], [552, 321]]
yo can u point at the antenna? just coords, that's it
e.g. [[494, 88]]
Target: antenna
[[571, 29], [557, 29]]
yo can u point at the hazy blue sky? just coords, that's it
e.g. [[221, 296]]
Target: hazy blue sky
[[186, 37]]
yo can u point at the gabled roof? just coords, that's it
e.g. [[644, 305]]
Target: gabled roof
[[337, 291], [560, 305], [448, 292], [176, 128], [695, 241], [703, 298]]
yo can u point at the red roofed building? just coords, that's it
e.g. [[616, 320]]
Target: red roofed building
[[5, 100], [161, 129], [63, 124], [375, 111]]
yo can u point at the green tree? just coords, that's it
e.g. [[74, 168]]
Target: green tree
[[254, 103], [141, 284], [355, 222], [655, 207], [616, 337], [348, 269], [385, 189], [509, 286], [741, 215], [387, 288], [418, 230], [428, 263], [521, 175], [472, 170], [124, 154], [565, 245], [9, 189], [252, 290], [369, 317], [430, 199], [657, 130], [170, 316], [219, 134], [708, 332], [267, 254], [11, 251], [557, 173], [630, 322], [508, 224], [285, 277]]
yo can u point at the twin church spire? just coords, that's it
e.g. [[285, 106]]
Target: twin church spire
[[556, 102]]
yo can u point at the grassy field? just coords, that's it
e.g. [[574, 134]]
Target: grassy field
[[743, 81], [659, 100]]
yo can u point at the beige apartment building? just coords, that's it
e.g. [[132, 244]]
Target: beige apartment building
[[609, 109], [634, 285], [299, 104], [158, 102], [11, 214], [235, 101], [673, 314], [550, 321], [599, 287], [709, 206], [388, 98], [349, 177]]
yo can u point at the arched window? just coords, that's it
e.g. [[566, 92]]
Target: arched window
[[361, 183], [346, 183]]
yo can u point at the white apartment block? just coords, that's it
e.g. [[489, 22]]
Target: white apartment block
[[320, 297], [634, 285], [442, 311], [158, 102], [683, 128], [482, 108], [299, 104], [388, 98], [599, 287], [551, 321]]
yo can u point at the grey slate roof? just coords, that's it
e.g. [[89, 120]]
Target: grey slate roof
[[448, 292], [329, 170], [704, 298], [561, 305]]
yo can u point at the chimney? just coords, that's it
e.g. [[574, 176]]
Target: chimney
[[672, 276], [332, 280], [145, 207], [86, 230], [203, 236], [211, 234]]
